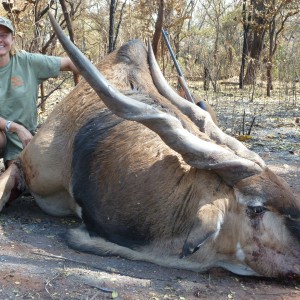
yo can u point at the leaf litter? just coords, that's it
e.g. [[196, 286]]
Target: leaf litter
[[62, 273]]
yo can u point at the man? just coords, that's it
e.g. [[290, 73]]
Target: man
[[20, 76]]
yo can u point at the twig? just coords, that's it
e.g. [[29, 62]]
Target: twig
[[252, 123], [277, 294], [51, 92], [48, 282], [102, 289], [244, 114]]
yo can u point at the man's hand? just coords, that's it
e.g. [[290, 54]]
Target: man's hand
[[24, 135]]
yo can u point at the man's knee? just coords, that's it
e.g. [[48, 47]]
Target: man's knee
[[17, 185], [2, 143]]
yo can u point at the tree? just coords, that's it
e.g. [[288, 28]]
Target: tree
[[268, 20], [70, 30], [158, 27], [278, 16], [256, 40], [205, 35], [215, 11], [113, 34], [246, 16]]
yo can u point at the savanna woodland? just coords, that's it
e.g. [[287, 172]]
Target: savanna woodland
[[241, 56], [246, 49]]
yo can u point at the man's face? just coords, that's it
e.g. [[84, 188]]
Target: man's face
[[6, 40]]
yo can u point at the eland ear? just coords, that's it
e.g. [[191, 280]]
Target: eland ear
[[205, 228]]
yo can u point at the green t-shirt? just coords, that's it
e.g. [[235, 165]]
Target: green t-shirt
[[19, 82]]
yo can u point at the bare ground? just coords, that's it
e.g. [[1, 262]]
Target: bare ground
[[37, 264]]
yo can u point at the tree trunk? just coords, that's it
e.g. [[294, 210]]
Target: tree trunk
[[158, 27], [245, 50], [269, 79], [206, 79], [257, 42], [111, 26], [270, 59], [70, 30], [119, 25]]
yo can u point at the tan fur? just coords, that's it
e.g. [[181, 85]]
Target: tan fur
[[141, 182]]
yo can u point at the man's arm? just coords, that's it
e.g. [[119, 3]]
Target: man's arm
[[9, 126], [67, 65]]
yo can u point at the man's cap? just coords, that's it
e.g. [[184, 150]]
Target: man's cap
[[7, 23]]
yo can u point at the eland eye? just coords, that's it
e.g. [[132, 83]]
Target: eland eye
[[254, 211]]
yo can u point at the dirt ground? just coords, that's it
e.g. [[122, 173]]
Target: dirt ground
[[37, 264]]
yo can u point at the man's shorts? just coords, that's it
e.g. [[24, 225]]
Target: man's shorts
[[13, 147]]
